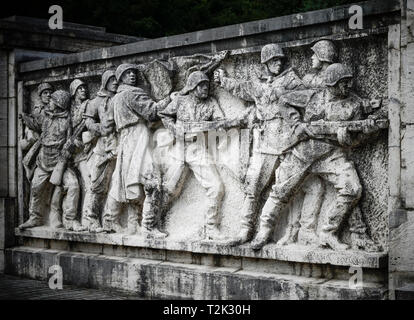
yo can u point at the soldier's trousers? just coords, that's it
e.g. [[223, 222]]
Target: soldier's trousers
[[259, 174], [147, 204], [292, 172], [100, 178], [64, 198], [206, 175]]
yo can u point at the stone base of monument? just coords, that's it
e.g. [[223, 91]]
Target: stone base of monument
[[197, 270]]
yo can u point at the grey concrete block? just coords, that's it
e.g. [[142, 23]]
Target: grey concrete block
[[152, 279]]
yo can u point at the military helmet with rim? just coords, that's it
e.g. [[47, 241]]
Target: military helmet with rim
[[193, 80], [336, 72], [271, 51], [61, 98], [42, 87], [325, 50]]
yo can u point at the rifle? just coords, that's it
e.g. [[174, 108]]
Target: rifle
[[332, 127], [203, 126], [57, 174]]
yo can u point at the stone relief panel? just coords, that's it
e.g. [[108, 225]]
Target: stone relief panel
[[283, 146]]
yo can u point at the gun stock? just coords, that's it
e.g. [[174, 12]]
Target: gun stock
[[332, 127], [59, 170]]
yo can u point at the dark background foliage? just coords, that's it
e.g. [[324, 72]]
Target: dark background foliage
[[157, 18]]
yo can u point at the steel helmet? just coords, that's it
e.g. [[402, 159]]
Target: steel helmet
[[193, 80], [108, 74], [325, 51], [126, 66], [42, 87], [271, 51], [336, 72], [74, 85], [61, 98]]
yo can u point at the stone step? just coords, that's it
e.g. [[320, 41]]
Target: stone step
[[160, 279]]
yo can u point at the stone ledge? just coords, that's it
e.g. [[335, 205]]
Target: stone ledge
[[292, 253], [158, 279]]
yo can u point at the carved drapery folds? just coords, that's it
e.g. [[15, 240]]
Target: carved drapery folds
[[117, 160]]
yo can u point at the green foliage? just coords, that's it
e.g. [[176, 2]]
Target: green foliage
[[157, 18]]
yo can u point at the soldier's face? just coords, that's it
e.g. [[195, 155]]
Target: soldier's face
[[129, 77], [81, 92], [316, 63], [201, 91], [45, 96], [274, 65], [112, 85], [344, 87], [52, 105]]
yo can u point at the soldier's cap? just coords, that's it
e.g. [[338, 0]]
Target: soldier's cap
[[193, 80], [336, 72], [42, 87], [74, 85], [108, 74], [325, 50], [271, 51], [61, 98], [127, 66]]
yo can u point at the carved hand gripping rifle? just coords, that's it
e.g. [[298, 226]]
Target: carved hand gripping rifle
[[57, 174]]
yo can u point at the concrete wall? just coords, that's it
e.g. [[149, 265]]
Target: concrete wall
[[401, 260]]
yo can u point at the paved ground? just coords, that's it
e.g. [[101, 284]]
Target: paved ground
[[15, 288]]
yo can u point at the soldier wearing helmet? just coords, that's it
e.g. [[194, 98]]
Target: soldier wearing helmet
[[99, 115], [319, 156], [136, 179], [79, 102], [30, 142], [271, 125], [54, 128], [324, 54], [193, 104]]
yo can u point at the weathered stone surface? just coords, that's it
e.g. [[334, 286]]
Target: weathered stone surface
[[296, 253], [262, 203], [157, 279]]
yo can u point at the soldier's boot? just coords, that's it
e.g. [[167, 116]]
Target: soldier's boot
[[55, 216], [56, 220], [290, 236], [261, 238], [93, 225], [307, 237], [133, 210], [247, 216], [213, 233], [328, 238], [361, 241], [244, 236], [110, 227], [271, 210], [73, 225], [31, 223], [153, 232]]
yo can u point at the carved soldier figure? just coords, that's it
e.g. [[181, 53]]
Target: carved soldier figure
[[321, 154], [54, 127], [100, 122], [31, 141], [194, 104], [324, 54], [136, 180], [273, 126], [79, 94]]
